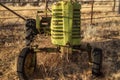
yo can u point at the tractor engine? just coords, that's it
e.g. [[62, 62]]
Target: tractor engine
[[65, 23]]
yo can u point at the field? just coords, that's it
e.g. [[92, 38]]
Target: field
[[104, 34]]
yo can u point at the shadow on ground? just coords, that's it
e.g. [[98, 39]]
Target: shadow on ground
[[78, 68]]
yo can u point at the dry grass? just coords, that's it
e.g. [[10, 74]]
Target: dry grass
[[105, 34]]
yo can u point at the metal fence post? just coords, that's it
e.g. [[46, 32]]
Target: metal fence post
[[113, 9], [119, 8], [92, 12]]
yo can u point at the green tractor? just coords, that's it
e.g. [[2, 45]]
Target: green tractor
[[64, 27]]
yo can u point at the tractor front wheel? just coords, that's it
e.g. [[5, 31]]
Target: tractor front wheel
[[26, 64]]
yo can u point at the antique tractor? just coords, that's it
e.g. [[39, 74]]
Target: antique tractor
[[64, 27]]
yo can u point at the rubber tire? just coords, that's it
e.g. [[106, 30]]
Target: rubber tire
[[96, 61], [29, 37], [31, 30], [21, 62], [31, 23]]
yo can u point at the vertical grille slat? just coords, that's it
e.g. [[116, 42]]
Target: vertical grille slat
[[76, 24]]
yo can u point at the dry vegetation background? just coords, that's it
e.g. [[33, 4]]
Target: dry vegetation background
[[105, 34]]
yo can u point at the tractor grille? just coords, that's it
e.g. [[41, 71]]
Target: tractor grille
[[58, 24], [76, 24], [65, 24]]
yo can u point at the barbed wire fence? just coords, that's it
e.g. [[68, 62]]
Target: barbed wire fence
[[7, 17]]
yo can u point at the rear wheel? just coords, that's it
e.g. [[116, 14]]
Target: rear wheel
[[26, 64], [96, 61], [31, 30]]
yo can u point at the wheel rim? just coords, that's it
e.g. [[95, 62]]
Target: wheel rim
[[29, 65]]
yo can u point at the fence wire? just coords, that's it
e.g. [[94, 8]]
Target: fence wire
[[89, 9]]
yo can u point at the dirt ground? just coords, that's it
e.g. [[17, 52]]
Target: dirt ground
[[104, 34]]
